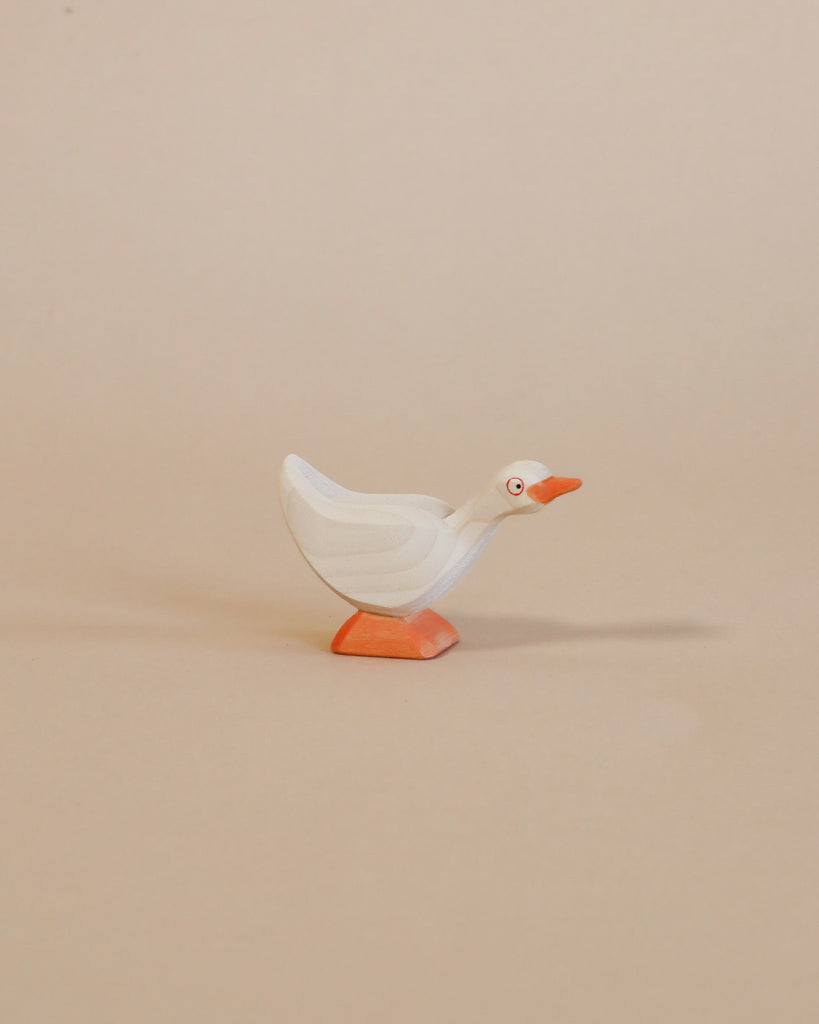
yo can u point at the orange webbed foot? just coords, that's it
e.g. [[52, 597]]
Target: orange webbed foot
[[419, 636]]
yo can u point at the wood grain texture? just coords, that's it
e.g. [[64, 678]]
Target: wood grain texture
[[395, 554], [420, 636]]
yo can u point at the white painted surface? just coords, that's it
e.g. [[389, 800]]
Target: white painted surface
[[396, 553]]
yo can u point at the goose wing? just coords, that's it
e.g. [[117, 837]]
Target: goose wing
[[375, 550], [298, 473]]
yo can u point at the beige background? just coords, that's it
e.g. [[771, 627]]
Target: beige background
[[410, 242]]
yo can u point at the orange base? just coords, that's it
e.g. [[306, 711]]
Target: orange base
[[422, 635]]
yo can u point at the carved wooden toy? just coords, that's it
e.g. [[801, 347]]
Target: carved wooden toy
[[392, 555]]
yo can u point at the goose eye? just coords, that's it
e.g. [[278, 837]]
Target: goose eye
[[514, 485]]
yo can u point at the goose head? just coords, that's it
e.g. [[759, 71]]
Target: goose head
[[525, 486]]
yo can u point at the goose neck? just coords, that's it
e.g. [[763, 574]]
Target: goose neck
[[478, 514]]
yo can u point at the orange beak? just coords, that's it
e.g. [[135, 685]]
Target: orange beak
[[552, 487]]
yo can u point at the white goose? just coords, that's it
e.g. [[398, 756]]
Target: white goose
[[392, 555]]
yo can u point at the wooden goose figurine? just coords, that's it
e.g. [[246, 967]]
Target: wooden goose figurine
[[392, 555]]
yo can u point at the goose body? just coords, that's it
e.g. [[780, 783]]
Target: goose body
[[394, 554]]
